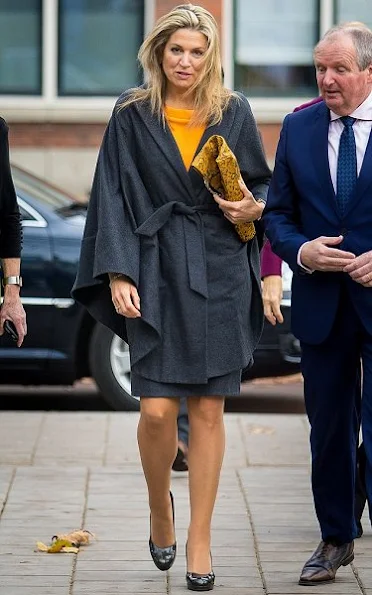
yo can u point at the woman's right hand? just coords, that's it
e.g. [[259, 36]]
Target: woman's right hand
[[272, 293], [125, 297]]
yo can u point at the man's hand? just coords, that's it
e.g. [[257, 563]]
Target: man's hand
[[361, 269], [318, 255], [242, 211], [272, 293], [12, 309], [125, 298]]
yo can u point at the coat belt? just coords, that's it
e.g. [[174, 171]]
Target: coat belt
[[193, 233]]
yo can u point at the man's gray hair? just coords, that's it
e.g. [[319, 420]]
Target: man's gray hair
[[361, 36]]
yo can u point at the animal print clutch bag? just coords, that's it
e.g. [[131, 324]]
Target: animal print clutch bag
[[220, 170]]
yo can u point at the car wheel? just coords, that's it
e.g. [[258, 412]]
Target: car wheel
[[109, 363]]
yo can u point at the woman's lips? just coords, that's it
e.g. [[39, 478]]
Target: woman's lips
[[183, 75]]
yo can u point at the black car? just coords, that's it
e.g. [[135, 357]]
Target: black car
[[64, 343]]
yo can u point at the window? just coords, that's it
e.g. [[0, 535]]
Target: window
[[274, 41], [357, 10], [98, 45], [20, 47], [25, 215]]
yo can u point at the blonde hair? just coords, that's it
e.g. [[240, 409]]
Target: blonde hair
[[211, 97]]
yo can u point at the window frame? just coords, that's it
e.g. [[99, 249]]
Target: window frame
[[39, 92], [81, 93], [273, 109], [49, 105]]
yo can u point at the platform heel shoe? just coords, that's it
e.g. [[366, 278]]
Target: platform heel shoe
[[200, 582], [163, 557]]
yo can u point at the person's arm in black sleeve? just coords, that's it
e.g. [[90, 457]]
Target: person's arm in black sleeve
[[10, 221], [10, 242]]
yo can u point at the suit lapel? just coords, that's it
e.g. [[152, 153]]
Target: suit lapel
[[319, 147], [364, 178]]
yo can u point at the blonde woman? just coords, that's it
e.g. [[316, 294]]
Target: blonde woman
[[164, 268]]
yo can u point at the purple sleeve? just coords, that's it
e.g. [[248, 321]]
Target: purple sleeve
[[271, 264], [308, 104]]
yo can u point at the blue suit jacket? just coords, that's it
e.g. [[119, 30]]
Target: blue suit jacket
[[302, 206]]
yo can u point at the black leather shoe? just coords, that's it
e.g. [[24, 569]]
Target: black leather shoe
[[180, 462], [163, 557], [200, 582], [325, 561]]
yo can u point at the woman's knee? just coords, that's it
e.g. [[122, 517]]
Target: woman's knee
[[207, 411], [158, 414]]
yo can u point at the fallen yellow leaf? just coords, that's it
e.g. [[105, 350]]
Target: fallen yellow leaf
[[58, 544], [41, 546]]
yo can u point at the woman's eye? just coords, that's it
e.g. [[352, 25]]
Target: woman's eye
[[175, 50], [198, 53]]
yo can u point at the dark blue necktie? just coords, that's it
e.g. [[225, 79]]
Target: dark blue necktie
[[346, 164]]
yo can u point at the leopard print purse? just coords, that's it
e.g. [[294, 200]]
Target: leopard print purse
[[220, 170]]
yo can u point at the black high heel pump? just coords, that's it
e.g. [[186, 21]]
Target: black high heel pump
[[200, 582], [163, 557]]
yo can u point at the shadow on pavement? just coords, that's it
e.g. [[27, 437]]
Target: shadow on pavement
[[270, 395]]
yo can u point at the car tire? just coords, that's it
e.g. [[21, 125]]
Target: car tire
[[109, 364]]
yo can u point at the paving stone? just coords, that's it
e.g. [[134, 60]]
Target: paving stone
[[264, 518], [107, 587]]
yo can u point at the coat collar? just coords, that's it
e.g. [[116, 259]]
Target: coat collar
[[168, 146]]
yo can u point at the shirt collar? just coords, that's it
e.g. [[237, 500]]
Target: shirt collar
[[363, 112]]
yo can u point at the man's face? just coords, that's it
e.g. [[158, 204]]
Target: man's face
[[342, 85]]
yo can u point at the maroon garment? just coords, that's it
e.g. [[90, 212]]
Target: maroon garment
[[271, 264], [308, 104]]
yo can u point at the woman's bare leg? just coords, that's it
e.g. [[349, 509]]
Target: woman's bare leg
[[157, 441], [206, 450]]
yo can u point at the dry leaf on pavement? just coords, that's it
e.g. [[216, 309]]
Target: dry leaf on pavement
[[67, 543]]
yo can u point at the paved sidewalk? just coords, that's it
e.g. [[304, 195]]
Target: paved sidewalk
[[61, 471]]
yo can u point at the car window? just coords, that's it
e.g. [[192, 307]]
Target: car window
[[25, 216], [44, 192], [30, 217]]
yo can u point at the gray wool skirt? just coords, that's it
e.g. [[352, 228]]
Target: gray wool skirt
[[219, 386]]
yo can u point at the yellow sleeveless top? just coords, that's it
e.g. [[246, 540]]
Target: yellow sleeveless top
[[186, 137]]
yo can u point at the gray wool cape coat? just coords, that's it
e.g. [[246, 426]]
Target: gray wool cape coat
[[155, 222]]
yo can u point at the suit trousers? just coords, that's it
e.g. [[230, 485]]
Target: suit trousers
[[183, 422], [331, 373]]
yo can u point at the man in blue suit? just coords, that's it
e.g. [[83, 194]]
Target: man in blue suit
[[318, 218]]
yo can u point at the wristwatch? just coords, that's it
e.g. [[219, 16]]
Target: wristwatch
[[12, 280]]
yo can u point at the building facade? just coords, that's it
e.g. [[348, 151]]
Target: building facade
[[64, 62]]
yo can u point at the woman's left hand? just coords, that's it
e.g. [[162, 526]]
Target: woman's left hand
[[272, 293], [242, 211]]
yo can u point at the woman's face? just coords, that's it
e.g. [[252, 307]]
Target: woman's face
[[183, 59]]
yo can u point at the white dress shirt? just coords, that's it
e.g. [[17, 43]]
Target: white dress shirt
[[362, 129]]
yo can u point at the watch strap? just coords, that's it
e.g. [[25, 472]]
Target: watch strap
[[12, 280]]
